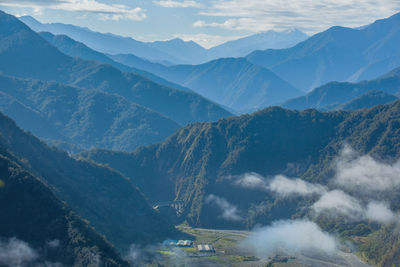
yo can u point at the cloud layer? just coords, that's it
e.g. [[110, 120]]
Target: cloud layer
[[291, 237], [308, 15], [178, 4], [105, 11]]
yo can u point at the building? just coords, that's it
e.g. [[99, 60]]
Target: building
[[170, 243], [184, 243], [176, 243], [206, 248]]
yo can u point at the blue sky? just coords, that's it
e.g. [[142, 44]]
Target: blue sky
[[208, 22]]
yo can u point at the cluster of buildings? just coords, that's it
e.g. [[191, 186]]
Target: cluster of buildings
[[178, 243], [204, 248]]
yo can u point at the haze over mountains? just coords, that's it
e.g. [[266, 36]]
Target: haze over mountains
[[334, 94], [232, 82], [25, 54], [142, 134], [175, 51], [338, 54]]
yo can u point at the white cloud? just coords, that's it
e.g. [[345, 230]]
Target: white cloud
[[230, 24], [365, 174], [105, 11], [206, 40], [291, 237], [15, 252], [380, 212], [338, 202], [252, 181], [229, 211], [309, 15], [178, 4], [280, 185], [289, 187]]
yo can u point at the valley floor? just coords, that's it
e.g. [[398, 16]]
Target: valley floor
[[229, 252]]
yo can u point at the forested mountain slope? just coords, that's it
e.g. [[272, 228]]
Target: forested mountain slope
[[192, 163], [337, 93], [43, 229], [106, 199], [84, 118]]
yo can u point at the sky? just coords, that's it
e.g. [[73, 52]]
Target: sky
[[207, 22]]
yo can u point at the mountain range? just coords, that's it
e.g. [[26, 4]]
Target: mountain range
[[232, 82], [25, 54], [175, 51], [251, 88], [148, 131], [76, 49], [260, 41], [337, 54], [335, 94]]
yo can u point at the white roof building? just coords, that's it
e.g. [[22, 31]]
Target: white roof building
[[205, 248]]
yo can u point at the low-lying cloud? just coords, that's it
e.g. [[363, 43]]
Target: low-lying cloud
[[228, 211], [290, 237], [252, 181], [380, 212], [288, 187], [16, 253], [281, 185], [365, 174], [362, 175], [337, 202]]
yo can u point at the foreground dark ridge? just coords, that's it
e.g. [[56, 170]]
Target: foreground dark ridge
[[102, 196]]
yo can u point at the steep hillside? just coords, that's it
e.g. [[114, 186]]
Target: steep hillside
[[109, 201], [23, 53], [232, 82], [85, 118], [336, 93], [54, 234], [193, 163], [338, 54]]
